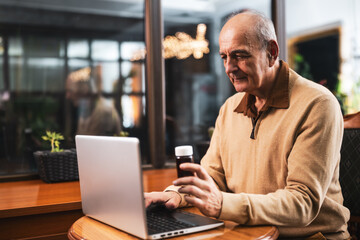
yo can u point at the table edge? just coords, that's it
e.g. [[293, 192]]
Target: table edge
[[61, 207]]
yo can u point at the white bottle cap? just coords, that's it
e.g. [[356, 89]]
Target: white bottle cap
[[186, 150]]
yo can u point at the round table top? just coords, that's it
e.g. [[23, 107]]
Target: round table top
[[87, 228]]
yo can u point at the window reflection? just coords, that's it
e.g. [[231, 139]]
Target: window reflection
[[132, 50], [41, 74], [75, 64], [46, 90], [134, 77], [96, 115], [1, 67], [105, 50], [133, 109], [42, 69], [43, 46], [126, 69], [78, 48], [1, 46], [109, 75], [15, 47], [133, 100]]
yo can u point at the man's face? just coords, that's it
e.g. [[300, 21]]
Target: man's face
[[245, 61]]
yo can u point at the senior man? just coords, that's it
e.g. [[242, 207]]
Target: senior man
[[274, 155]]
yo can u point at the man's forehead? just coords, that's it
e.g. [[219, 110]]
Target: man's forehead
[[230, 41]]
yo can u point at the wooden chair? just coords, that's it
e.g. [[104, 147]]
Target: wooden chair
[[350, 171]]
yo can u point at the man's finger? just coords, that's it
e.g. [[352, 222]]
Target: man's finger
[[192, 181], [196, 202], [200, 171], [157, 198], [172, 203], [192, 190]]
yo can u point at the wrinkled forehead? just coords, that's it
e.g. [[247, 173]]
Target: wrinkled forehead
[[239, 30], [231, 39]]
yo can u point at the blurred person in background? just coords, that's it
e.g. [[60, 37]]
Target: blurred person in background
[[96, 115]]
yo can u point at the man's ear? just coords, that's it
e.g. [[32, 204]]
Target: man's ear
[[272, 52]]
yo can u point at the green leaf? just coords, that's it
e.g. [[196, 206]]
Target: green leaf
[[299, 58], [54, 138]]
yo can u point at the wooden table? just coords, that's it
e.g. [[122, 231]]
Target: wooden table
[[156, 180]]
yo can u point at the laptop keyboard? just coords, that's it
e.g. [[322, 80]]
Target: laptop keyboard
[[163, 222]]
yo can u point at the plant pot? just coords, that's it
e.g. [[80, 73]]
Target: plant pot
[[57, 166]]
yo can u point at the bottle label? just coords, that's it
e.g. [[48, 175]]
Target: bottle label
[[180, 160]]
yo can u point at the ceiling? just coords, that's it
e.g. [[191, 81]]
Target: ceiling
[[195, 9]]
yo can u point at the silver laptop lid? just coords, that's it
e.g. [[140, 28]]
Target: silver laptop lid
[[111, 181]]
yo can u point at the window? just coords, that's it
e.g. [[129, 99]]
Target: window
[[33, 67], [65, 76], [1, 66], [133, 73]]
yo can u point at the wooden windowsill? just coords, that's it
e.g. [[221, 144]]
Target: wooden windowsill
[[37, 197], [34, 209]]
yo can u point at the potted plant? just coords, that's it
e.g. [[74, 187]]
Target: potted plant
[[56, 165]]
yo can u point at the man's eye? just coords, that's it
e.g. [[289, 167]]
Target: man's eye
[[242, 56]]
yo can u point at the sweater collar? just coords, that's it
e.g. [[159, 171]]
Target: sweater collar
[[279, 96]]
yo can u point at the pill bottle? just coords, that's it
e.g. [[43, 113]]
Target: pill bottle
[[183, 154]]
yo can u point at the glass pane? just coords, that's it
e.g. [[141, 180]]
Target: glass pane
[[325, 46], [132, 50], [1, 76], [15, 47], [1, 46], [76, 64], [134, 77], [46, 55], [126, 69], [78, 48], [43, 46], [196, 83], [1, 68], [105, 50], [37, 74], [97, 116], [107, 75], [133, 109]]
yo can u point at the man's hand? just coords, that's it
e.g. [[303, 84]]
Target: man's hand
[[170, 199], [203, 190]]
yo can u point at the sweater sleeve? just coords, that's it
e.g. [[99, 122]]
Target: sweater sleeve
[[311, 165]]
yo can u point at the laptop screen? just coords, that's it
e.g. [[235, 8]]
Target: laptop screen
[[111, 181]]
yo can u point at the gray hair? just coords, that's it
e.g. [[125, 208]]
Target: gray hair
[[263, 28]]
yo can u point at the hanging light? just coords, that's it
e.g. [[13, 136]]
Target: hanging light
[[182, 45]]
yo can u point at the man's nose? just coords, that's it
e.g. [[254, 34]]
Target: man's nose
[[230, 66]]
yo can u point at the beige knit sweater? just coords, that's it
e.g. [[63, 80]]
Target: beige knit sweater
[[288, 175]]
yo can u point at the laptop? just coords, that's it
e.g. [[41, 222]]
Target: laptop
[[111, 188]]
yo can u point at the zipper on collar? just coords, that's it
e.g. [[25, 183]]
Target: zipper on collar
[[254, 121]]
